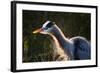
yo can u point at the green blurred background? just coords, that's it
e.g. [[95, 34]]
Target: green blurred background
[[38, 47]]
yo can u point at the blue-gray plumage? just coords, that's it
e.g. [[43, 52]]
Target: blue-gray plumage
[[76, 48]]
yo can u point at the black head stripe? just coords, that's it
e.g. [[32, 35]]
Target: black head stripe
[[50, 24]]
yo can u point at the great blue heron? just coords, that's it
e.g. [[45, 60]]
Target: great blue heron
[[76, 48]]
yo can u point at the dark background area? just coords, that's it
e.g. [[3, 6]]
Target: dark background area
[[37, 47]]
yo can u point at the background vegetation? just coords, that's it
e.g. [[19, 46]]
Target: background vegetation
[[37, 47]]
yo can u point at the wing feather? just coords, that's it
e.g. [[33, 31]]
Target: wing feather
[[82, 48]]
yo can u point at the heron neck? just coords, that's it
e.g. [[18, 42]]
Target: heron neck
[[61, 41], [59, 35]]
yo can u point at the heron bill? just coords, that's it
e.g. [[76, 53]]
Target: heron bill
[[37, 30]]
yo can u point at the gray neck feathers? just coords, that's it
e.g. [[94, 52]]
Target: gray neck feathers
[[59, 35], [63, 41]]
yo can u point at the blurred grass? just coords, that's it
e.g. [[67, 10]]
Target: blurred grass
[[38, 47]]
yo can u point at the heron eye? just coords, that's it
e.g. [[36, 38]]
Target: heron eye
[[45, 28]]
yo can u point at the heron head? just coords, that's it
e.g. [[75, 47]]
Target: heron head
[[46, 28]]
